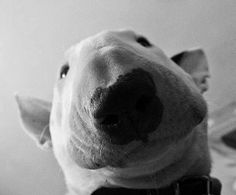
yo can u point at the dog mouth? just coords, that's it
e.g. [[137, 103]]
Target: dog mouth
[[97, 155]]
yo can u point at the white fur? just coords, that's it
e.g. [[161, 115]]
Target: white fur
[[176, 149]]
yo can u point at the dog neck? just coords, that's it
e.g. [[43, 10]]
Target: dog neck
[[195, 160]]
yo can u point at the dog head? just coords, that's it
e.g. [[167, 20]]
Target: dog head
[[119, 101]]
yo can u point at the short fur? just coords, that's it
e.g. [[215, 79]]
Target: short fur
[[177, 148]]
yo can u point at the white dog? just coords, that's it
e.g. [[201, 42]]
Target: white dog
[[126, 119]]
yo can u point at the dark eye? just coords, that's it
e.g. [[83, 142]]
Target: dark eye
[[64, 70], [144, 42]]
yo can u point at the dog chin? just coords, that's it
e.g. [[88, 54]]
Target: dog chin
[[93, 157]]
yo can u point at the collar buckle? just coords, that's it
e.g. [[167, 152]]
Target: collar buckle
[[177, 188], [205, 179], [208, 185]]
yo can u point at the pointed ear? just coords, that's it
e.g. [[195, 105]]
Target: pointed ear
[[35, 115], [194, 62]]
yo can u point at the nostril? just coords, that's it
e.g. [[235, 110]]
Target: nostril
[[111, 119], [142, 103]]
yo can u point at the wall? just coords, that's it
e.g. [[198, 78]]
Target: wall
[[35, 34]]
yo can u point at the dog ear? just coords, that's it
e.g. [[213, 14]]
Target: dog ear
[[35, 116], [194, 62]]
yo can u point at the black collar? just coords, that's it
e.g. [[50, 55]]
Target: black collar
[[200, 185]]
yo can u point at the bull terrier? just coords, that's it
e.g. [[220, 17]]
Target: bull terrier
[[126, 119]]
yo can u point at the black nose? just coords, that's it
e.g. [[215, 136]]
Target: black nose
[[129, 109]]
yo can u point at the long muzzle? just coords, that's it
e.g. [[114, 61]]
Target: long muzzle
[[129, 109]]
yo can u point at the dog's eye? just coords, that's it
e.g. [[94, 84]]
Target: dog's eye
[[144, 42], [64, 70]]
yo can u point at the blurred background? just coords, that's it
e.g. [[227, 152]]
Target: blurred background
[[35, 34]]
